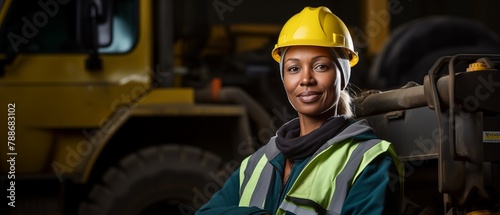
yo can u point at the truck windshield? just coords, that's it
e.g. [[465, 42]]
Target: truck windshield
[[50, 27]]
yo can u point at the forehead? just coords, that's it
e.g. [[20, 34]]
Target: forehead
[[306, 52]]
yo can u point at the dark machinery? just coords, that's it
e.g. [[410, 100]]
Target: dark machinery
[[447, 132]]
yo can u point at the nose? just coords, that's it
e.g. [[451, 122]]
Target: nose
[[307, 78]]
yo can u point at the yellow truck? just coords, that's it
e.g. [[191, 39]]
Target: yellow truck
[[98, 122]]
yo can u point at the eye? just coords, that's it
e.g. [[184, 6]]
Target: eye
[[293, 69], [321, 68]]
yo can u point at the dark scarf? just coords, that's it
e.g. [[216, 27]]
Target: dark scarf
[[293, 146]]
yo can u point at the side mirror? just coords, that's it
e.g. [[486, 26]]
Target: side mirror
[[94, 28], [94, 23]]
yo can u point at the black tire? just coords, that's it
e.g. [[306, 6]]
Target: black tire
[[412, 43], [156, 180]]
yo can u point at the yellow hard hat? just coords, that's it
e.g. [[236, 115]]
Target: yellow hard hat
[[315, 27]]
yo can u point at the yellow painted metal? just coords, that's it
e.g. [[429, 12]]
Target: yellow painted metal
[[4, 9], [251, 37], [246, 37], [57, 107], [482, 212], [102, 134], [30, 157], [168, 96], [375, 24], [53, 92], [96, 140], [65, 114], [3, 12], [71, 150], [189, 110]]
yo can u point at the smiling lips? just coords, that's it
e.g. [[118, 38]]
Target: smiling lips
[[309, 96]]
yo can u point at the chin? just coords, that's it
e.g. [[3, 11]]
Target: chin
[[311, 112], [317, 112]]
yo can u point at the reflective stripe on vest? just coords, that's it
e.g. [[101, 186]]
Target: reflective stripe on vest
[[259, 183], [351, 158], [347, 175], [341, 180], [296, 209]]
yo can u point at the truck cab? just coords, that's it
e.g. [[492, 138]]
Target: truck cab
[[102, 125]]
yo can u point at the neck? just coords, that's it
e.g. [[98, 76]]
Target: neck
[[311, 123]]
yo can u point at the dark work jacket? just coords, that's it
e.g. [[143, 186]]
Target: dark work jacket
[[375, 191]]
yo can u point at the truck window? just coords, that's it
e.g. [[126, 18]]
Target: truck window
[[125, 25], [50, 27]]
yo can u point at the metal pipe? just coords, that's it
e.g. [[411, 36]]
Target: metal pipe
[[383, 102], [165, 42]]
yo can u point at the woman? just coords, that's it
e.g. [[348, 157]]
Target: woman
[[322, 162]]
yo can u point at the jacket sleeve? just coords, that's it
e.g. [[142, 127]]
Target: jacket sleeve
[[376, 190], [226, 200]]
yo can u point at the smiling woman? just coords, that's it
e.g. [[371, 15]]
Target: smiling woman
[[324, 161], [310, 79]]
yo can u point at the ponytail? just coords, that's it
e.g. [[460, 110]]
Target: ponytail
[[344, 104]]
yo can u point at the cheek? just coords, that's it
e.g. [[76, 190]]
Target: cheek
[[330, 82], [332, 86], [290, 83]]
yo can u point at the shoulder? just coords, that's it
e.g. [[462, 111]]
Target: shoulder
[[270, 150], [266, 152]]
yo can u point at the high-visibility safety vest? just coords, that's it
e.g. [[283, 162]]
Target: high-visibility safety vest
[[327, 176]]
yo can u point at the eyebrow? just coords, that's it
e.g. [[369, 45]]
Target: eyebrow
[[314, 58]]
